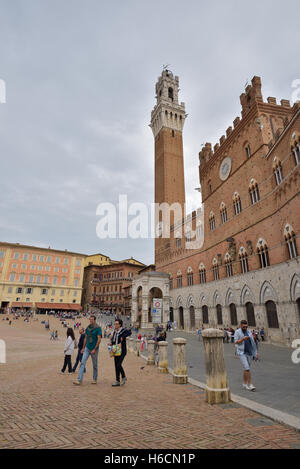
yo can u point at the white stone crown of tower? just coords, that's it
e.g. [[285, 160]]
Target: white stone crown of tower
[[167, 111]]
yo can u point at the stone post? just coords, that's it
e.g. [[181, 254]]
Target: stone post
[[144, 323], [138, 347], [134, 309], [150, 359], [217, 390], [130, 344], [180, 371], [163, 357]]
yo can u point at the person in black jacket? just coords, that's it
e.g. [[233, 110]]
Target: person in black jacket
[[119, 337], [80, 347]]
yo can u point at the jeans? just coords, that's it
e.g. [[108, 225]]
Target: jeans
[[68, 363], [85, 357], [118, 366], [78, 359]]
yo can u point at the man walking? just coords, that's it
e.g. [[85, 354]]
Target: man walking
[[93, 335], [80, 347], [246, 349]]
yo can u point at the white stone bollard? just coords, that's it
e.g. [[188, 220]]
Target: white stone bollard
[[217, 390], [130, 344], [163, 357], [150, 359], [180, 370], [138, 347]]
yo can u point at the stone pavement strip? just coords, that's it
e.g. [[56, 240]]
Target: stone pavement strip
[[39, 408]]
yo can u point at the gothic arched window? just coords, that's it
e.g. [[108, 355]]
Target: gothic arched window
[[272, 315], [237, 204], [277, 169], [254, 192], [263, 253], [290, 239]]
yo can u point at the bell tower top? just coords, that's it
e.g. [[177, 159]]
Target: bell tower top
[[167, 111]]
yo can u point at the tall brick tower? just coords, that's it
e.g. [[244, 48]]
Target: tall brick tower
[[167, 121]]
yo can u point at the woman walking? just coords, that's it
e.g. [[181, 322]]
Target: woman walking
[[119, 337], [68, 350]]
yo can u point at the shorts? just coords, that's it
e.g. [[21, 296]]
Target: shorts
[[246, 362]]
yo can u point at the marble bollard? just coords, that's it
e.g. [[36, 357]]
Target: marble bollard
[[150, 359], [217, 390], [138, 347], [130, 344], [180, 370], [163, 357]]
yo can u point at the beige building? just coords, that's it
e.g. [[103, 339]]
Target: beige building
[[34, 278]]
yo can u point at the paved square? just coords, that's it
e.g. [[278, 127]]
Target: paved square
[[39, 408]]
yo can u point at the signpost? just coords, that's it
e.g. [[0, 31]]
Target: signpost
[[157, 311]]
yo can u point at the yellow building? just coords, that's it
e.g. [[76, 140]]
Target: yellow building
[[97, 259], [101, 259], [133, 261], [34, 278]]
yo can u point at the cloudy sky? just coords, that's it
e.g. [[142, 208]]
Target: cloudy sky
[[80, 79]]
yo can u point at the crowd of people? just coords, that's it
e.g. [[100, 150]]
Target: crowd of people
[[245, 341]]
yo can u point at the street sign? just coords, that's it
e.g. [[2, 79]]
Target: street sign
[[157, 310]]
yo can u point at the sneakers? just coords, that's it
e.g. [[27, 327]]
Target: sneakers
[[94, 382], [251, 387], [123, 381], [116, 383], [78, 383]]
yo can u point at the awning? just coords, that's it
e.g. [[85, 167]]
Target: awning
[[18, 304], [69, 306]]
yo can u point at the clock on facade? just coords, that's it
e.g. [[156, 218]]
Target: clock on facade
[[225, 168]]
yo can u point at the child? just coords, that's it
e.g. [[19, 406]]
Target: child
[[68, 350]]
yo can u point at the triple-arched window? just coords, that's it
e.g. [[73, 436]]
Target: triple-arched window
[[290, 239], [228, 265], [223, 212], [202, 273], [243, 256], [263, 253], [254, 192], [237, 203]]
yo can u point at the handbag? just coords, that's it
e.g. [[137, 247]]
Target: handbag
[[115, 350]]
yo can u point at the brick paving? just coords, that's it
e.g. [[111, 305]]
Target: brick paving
[[39, 408]]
